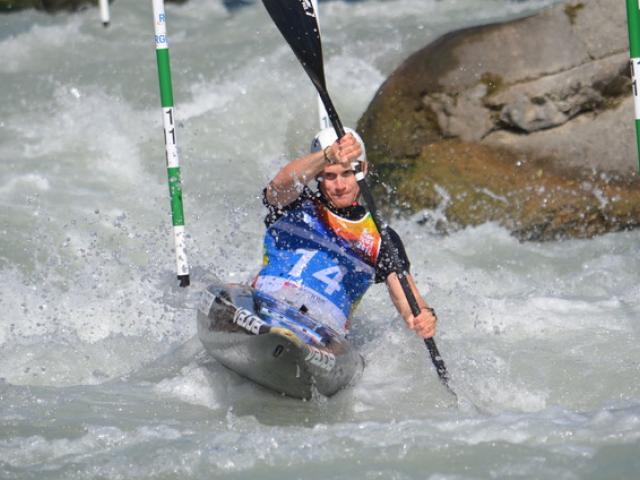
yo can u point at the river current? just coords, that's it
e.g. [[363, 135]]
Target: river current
[[101, 375]]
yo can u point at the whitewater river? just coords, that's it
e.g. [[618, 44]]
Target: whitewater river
[[100, 373]]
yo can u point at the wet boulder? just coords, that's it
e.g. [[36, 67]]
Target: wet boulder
[[528, 123]]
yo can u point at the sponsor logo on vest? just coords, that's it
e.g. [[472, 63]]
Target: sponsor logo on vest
[[247, 320], [367, 242], [324, 360]]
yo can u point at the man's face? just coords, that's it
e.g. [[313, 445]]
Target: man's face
[[339, 186]]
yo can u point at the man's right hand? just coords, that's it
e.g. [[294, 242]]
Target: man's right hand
[[344, 151]]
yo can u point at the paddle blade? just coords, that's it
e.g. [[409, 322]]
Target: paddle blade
[[296, 20], [438, 362]]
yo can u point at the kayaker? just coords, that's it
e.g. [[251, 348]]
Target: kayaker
[[322, 250]]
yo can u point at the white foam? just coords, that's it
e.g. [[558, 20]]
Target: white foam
[[29, 180], [543, 337], [30, 451], [31, 50], [193, 386]]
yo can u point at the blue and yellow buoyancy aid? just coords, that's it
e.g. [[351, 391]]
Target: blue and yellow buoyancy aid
[[320, 261]]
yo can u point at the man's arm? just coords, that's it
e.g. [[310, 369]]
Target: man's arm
[[287, 185], [424, 324]]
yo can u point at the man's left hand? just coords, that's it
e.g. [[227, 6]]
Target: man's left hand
[[424, 324]]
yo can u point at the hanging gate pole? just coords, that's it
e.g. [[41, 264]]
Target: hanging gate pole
[[171, 148], [633, 19], [104, 12]]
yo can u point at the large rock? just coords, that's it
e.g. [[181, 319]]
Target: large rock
[[528, 123]]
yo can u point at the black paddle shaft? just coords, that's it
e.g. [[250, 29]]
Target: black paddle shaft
[[436, 359], [297, 22]]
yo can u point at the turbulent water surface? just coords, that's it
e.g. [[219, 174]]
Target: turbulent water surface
[[100, 373]]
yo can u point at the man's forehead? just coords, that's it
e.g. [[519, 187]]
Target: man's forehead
[[338, 169]]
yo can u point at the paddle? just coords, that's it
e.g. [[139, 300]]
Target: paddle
[[296, 20]]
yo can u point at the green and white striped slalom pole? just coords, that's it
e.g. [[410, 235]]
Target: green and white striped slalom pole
[[171, 148], [633, 18]]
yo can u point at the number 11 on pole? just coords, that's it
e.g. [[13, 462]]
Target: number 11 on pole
[[171, 148]]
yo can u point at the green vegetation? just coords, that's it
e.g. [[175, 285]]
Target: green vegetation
[[572, 11], [533, 199], [493, 81]]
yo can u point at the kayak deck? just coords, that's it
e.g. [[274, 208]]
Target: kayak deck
[[273, 344]]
